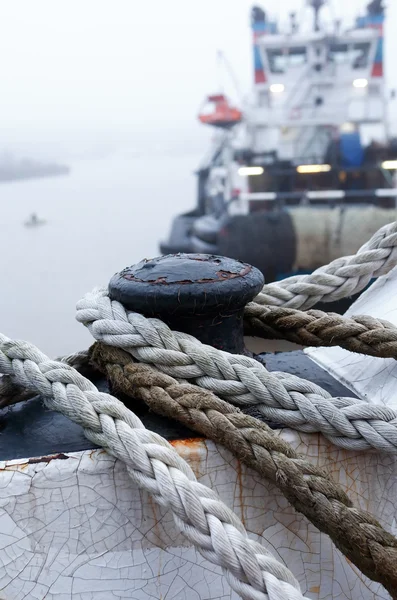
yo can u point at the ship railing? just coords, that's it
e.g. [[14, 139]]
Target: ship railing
[[321, 194], [323, 116], [273, 201]]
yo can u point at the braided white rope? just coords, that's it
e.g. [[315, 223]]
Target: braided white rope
[[341, 278], [156, 467], [280, 397]]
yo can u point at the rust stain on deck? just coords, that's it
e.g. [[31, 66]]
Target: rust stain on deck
[[15, 467], [22, 466], [188, 443], [157, 528], [47, 459], [239, 483], [191, 449]]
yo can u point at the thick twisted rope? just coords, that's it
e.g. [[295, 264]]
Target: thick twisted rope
[[281, 398], [12, 393], [341, 278], [309, 489], [361, 334], [157, 468]]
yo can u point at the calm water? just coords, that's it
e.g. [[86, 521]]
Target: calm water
[[106, 215]]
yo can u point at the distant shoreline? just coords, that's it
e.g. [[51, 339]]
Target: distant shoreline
[[27, 169]]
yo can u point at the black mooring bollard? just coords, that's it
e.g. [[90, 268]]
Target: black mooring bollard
[[199, 294]]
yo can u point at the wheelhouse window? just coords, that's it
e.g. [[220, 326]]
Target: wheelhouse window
[[281, 59], [360, 56], [339, 53], [277, 60], [356, 55], [297, 56]]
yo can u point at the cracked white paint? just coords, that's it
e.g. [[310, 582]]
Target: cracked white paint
[[79, 529]]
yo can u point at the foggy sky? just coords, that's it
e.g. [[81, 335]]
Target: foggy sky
[[79, 69]]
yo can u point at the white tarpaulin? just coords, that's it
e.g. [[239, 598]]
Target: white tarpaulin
[[372, 379]]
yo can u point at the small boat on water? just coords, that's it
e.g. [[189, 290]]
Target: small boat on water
[[34, 221], [306, 170]]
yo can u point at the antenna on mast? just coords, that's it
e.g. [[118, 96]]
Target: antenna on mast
[[316, 5]]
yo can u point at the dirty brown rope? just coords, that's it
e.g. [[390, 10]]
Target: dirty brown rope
[[309, 489], [361, 334], [11, 393]]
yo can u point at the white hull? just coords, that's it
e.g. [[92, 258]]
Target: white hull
[[78, 528]]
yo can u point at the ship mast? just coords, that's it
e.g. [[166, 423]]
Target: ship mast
[[316, 5]]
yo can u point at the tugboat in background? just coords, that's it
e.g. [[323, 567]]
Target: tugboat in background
[[305, 172]]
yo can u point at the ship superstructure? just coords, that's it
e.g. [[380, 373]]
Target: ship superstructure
[[313, 133]]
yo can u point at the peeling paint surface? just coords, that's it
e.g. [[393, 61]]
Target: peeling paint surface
[[372, 379], [73, 526]]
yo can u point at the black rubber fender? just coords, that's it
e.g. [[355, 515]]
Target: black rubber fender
[[202, 247], [265, 240], [179, 239], [207, 229]]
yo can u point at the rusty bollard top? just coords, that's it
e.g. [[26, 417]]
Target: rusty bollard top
[[199, 294]]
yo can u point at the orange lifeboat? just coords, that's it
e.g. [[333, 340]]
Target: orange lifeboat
[[219, 112]]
